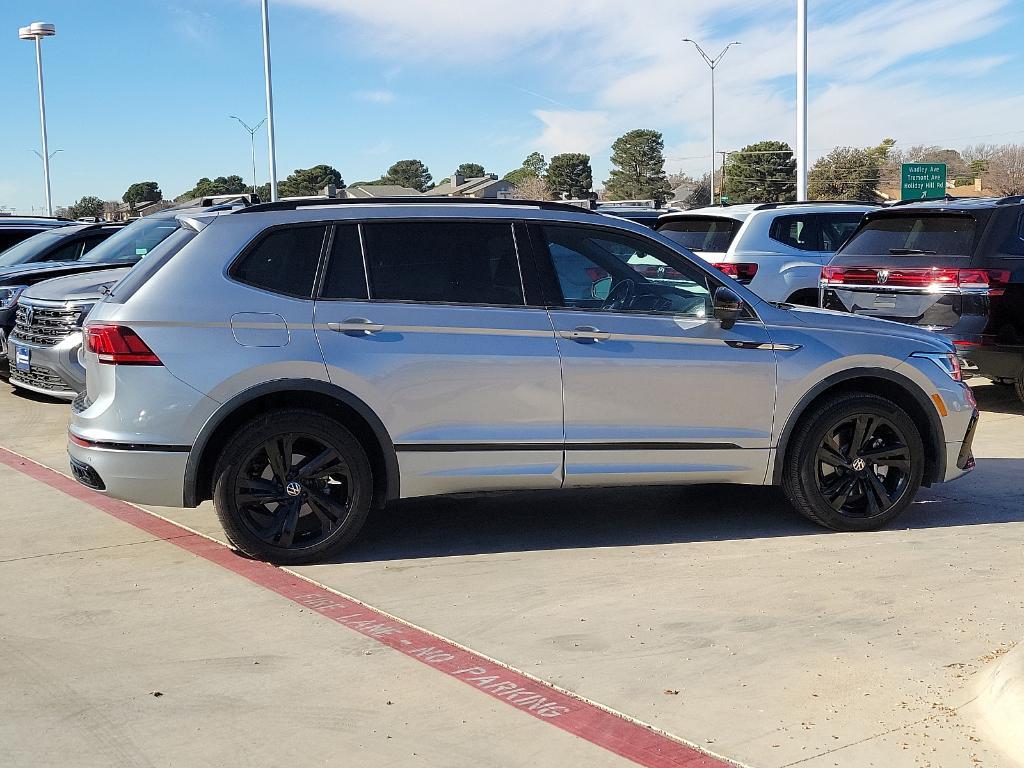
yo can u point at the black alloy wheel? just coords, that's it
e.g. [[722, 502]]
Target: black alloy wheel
[[863, 465], [292, 487]]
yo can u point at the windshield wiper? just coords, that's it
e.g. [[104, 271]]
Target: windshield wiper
[[693, 248], [910, 252]]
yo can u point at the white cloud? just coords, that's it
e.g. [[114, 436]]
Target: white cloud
[[375, 97]]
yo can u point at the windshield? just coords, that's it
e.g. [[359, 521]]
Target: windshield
[[938, 234], [133, 242], [701, 233], [28, 249]]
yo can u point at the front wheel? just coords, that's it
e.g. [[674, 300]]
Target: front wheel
[[855, 462], [292, 487]]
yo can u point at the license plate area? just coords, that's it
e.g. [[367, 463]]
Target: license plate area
[[23, 358]]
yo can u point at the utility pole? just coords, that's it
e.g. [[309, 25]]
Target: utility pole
[[270, 102], [801, 99], [712, 63]]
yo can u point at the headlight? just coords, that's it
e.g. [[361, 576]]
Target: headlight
[[9, 295], [947, 361]]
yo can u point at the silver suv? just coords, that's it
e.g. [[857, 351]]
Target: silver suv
[[302, 363]]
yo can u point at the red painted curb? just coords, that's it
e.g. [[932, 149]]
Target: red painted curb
[[590, 722]]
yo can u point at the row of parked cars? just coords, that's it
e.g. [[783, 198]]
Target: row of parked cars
[[302, 363]]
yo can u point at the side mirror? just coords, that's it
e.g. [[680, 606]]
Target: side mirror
[[600, 289], [728, 307]]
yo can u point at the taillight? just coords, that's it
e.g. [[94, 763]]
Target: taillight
[[118, 345], [930, 278], [742, 273]]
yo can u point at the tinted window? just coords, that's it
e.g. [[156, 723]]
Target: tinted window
[[133, 242], [701, 233], [29, 250], [598, 269], [796, 232], [284, 261], [837, 228], [456, 262], [941, 235], [9, 237], [69, 251], [345, 277]]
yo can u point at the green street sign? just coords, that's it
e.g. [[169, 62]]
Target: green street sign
[[923, 181], [724, 198]]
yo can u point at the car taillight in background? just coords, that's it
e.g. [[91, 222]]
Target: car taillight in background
[[741, 273], [929, 278], [118, 345]]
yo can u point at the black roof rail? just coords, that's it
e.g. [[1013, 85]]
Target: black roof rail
[[769, 206], [329, 202], [944, 198], [1010, 200]]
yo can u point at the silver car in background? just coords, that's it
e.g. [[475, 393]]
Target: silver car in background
[[302, 363]]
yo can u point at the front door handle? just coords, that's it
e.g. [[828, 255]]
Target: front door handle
[[585, 333], [356, 326]]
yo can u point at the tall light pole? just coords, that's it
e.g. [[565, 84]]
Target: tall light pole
[[270, 102], [801, 99], [37, 30], [252, 145], [712, 63]]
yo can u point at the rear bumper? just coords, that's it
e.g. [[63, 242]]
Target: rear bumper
[[141, 476], [995, 362]]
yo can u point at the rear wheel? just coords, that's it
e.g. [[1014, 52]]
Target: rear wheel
[[292, 487], [855, 462]]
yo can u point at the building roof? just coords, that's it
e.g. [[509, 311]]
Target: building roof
[[379, 190], [468, 187]]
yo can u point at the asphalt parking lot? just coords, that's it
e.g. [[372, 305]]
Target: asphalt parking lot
[[713, 615]]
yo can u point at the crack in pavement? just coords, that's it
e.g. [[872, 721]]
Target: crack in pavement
[[92, 549]]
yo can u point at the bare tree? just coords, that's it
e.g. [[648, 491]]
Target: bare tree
[[531, 189], [1006, 169]]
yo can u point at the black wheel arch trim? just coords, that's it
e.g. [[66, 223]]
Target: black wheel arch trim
[[343, 396], [938, 443]]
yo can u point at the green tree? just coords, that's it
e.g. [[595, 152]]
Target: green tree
[[570, 175], [764, 172], [304, 182], [470, 170], [846, 173], [142, 192], [409, 173], [222, 185], [86, 206], [639, 172], [533, 167]]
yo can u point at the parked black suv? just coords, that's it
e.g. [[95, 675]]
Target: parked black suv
[[14, 229], [954, 265]]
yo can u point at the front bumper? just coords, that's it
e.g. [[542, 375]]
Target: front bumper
[[54, 370]]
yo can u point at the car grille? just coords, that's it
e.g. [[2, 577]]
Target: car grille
[[48, 325], [41, 378]]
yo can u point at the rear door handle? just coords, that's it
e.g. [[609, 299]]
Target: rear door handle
[[585, 333], [356, 326]]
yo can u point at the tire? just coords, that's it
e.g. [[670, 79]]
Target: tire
[[826, 477], [292, 487], [1018, 387]]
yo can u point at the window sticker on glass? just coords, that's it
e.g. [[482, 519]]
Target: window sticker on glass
[[141, 251]]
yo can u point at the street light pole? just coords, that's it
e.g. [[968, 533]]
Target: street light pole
[[252, 144], [712, 64], [270, 101], [801, 99], [37, 30]]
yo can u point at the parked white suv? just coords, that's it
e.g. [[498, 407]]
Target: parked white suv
[[775, 249]]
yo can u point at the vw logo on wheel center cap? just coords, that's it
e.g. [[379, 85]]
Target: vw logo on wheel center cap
[[858, 466], [293, 488]]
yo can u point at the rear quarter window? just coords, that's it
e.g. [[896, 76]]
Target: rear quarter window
[[283, 261]]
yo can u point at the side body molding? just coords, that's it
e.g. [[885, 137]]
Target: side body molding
[[343, 396]]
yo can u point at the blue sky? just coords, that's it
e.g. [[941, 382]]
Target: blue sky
[[142, 89]]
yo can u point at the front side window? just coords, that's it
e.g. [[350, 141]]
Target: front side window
[[451, 262], [598, 269], [795, 231], [701, 233], [69, 251], [836, 229], [283, 261], [906, 235]]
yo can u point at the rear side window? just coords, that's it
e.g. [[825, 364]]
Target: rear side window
[[795, 231], [939, 235], [837, 228], [701, 233], [451, 262], [284, 261]]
